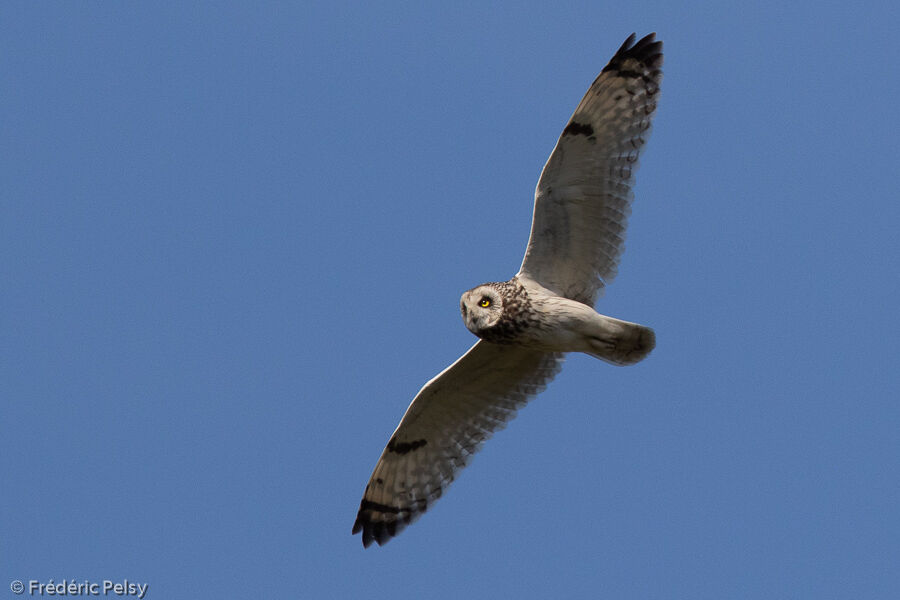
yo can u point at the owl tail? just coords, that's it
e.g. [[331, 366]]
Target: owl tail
[[620, 342]]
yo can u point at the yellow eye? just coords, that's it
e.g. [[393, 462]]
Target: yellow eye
[[485, 302]]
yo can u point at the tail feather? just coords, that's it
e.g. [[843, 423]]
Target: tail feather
[[622, 343]]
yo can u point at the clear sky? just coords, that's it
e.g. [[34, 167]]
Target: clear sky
[[233, 240]]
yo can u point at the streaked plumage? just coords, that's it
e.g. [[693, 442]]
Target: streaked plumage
[[528, 323]]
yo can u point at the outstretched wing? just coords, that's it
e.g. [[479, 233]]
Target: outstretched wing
[[447, 422], [583, 197]]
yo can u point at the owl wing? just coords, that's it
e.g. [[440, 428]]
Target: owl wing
[[446, 423], [583, 197]]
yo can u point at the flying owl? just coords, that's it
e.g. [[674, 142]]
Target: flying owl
[[526, 325]]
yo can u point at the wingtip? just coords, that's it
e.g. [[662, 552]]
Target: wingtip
[[647, 50], [367, 536], [366, 527], [627, 43], [378, 533]]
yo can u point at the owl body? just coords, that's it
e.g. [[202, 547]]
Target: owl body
[[524, 313]]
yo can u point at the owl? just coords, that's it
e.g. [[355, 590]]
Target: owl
[[527, 325]]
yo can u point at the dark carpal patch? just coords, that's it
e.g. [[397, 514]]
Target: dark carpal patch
[[575, 128], [404, 447]]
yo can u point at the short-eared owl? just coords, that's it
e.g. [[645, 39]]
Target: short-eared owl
[[528, 323]]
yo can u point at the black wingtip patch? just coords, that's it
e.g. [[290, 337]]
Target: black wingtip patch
[[404, 447], [389, 524], [646, 50], [576, 128]]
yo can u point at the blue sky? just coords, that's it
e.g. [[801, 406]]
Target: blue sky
[[233, 241]]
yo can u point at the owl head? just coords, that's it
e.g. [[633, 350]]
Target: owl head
[[481, 308]]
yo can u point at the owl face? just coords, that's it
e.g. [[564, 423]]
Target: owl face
[[481, 308]]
